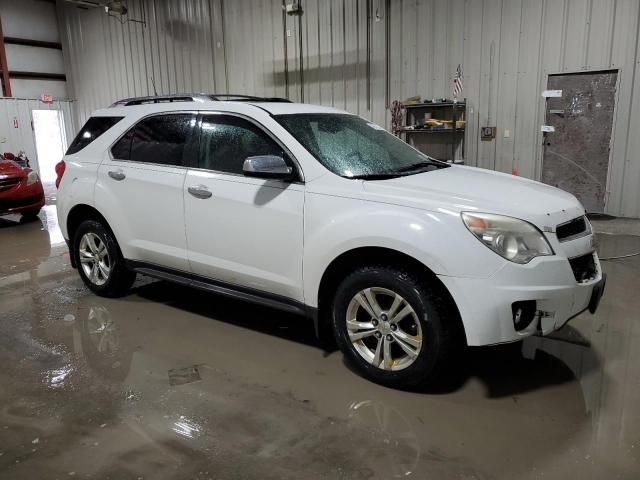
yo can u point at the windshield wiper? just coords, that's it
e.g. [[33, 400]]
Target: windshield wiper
[[373, 176], [402, 171], [421, 165]]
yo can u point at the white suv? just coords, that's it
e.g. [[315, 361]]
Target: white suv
[[313, 210]]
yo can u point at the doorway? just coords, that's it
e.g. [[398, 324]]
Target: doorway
[[51, 142], [576, 152]]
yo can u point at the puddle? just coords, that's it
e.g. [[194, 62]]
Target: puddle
[[394, 433]]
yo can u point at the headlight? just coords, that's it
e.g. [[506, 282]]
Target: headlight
[[32, 177], [514, 239]]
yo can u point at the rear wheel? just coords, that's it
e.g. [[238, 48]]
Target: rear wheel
[[391, 326], [100, 263]]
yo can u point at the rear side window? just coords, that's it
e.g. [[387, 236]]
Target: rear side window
[[94, 127], [160, 139]]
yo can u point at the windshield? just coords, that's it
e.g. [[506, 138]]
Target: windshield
[[355, 148]]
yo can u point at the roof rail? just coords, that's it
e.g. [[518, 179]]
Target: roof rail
[[232, 97], [181, 97], [195, 97]]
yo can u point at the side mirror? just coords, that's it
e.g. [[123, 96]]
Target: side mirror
[[267, 166]]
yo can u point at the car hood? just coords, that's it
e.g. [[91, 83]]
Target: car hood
[[9, 168], [459, 188]]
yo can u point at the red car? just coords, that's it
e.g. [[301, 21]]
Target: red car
[[20, 189]]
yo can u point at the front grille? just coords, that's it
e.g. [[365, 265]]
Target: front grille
[[7, 183], [571, 229], [7, 204], [584, 267]]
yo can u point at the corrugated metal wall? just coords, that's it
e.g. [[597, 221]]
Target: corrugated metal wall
[[33, 20], [360, 54]]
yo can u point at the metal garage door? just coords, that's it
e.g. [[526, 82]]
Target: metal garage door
[[576, 154]]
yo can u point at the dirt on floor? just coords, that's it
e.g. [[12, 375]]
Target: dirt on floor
[[171, 383]]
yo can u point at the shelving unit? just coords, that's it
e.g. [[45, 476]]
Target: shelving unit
[[441, 143]]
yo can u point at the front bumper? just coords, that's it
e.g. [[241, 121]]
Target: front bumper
[[485, 305], [22, 198]]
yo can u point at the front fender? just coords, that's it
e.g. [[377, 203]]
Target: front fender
[[440, 241]]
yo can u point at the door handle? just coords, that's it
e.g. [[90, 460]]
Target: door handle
[[200, 191], [117, 175]]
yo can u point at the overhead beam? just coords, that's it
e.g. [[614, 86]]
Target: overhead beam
[[32, 43], [36, 75], [6, 84]]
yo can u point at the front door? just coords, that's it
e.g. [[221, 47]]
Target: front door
[[576, 153], [242, 231]]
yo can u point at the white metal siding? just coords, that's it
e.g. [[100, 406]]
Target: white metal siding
[[22, 138], [506, 48], [33, 20]]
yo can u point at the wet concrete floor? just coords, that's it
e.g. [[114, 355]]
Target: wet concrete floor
[[169, 383]]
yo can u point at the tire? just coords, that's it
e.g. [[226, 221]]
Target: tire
[[31, 214], [108, 276], [422, 328]]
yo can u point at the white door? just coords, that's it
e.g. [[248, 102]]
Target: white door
[[242, 231], [51, 143], [141, 185]]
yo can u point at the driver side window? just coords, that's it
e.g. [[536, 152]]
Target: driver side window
[[226, 141]]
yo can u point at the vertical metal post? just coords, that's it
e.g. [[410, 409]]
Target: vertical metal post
[[224, 46], [369, 55], [6, 83], [454, 138], [301, 55], [387, 53], [286, 55]]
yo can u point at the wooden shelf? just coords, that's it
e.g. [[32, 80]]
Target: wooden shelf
[[434, 105], [437, 130], [434, 141]]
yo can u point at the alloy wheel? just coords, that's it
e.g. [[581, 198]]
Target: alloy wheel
[[94, 259], [384, 328]]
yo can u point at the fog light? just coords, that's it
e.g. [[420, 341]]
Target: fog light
[[524, 312]]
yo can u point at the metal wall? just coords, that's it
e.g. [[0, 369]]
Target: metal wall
[[361, 54], [21, 137], [507, 48], [33, 20]]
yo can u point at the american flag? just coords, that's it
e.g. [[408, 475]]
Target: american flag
[[457, 82]]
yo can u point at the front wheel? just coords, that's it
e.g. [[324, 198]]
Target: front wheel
[[391, 326], [100, 263], [31, 214]]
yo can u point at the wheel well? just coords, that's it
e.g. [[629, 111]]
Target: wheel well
[[349, 261], [79, 214]]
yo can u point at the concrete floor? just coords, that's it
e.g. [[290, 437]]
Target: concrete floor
[[170, 383]]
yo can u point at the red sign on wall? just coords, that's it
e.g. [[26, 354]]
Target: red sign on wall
[[46, 98]]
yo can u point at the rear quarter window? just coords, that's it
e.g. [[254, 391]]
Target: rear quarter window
[[94, 127]]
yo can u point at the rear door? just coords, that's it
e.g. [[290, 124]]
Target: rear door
[[140, 187], [240, 230]]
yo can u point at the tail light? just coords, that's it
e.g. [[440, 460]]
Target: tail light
[[60, 168]]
